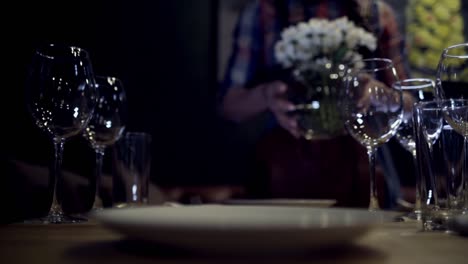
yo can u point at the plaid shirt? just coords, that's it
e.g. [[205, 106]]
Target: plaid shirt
[[258, 29]]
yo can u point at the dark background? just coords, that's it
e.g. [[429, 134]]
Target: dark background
[[165, 52]]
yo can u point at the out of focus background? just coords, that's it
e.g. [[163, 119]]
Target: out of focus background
[[171, 57]]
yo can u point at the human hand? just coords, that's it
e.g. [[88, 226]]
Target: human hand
[[377, 95], [274, 94]]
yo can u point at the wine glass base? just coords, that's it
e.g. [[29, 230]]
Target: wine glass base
[[410, 217], [373, 204], [416, 215], [97, 209], [413, 211], [56, 218]]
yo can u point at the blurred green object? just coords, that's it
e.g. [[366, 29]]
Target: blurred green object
[[431, 26]]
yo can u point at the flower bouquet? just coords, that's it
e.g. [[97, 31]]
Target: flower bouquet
[[316, 51]]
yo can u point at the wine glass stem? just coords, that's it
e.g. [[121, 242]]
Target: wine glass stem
[[373, 201], [56, 209], [464, 174], [99, 159], [417, 198]]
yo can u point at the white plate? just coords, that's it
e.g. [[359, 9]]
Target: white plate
[[225, 227], [288, 202]]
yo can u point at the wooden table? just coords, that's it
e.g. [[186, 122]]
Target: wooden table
[[90, 242]]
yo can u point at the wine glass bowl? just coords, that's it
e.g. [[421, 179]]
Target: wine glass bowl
[[452, 72], [107, 124], [60, 99], [372, 109], [60, 96], [110, 113]]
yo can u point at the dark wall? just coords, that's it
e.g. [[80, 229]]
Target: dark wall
[[163, 51]]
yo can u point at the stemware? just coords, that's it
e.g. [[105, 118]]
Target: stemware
[[60, 95], [452, 73], [106, 125], [372, 109], [452, 82], [440, 155], [429, 126], [456, 114], [415, 90]]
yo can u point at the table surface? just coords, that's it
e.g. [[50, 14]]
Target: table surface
[[399, 242]]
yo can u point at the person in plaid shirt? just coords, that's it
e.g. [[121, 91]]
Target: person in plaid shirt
[[255, 85]]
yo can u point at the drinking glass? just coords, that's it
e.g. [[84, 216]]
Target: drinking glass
[[60, 95], [428, 117], [415, 90], [372, 109], [430, 128], [456, 114], [106, 125]]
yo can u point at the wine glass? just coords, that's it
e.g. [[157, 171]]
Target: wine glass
[[452, 73], [414, 90], [456, 114], [60, 95], [372, 109], [452, 83], [107, 124]]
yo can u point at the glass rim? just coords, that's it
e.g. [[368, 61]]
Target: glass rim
[[388, 64], [453, 47], [46, 50], [110, 82], [438, 102], [425, 83]]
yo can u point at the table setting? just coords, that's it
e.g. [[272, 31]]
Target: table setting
[[429, 118], [216, 233]]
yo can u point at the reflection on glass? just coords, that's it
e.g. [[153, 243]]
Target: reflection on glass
[[60, 95], [414, 90], [373, 109], [107, 124]]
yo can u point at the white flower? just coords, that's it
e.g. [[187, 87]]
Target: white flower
[[352, 38], [332, 40], [312, 44], [322, 61], [289, 34], [343, 24], [303, 54], [356, 57], [368, 41], [281, 54]]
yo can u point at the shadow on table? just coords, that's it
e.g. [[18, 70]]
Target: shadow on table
[[125, 250]]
